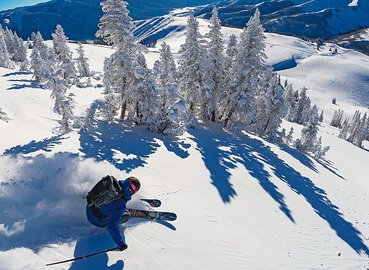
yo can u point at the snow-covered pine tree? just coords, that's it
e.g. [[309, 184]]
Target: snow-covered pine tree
[[173, 107], [247, 71], [320, 151], [306, 111], [116, 24], [67, 121], [302, 108], [37, 64], [337, 119], [217, 59], [354, 127], [344, 130], [291, 98], [64, 55], [196, 84], [362, 131], [82, 64], [5, 59], [270, 106], [143, 100], [231, 50], [115, 29], [321, 116], [38, 42], [28, 43], [56, 83], [309, 133], [355, 131], [289, 138], [17, 50], [23, 59]]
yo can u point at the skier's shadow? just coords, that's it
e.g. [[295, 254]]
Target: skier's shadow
[[95, 244]]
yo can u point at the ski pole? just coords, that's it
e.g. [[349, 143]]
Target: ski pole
[[84, 257]]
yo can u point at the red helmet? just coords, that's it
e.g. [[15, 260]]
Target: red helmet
[[134, 184]]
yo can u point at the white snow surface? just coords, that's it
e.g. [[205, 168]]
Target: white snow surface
[[242, 202]]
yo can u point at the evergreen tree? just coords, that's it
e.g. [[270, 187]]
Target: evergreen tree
[[320, 151], [116, 24], [231, 50], [57, 84], [67, 122], [195, 81], [173, 107], [37, 65], [306, 111], [337, 119], [354, 127], [321, 116], [302, 107], [308, 141], [64, 55], [83, 66], [143, 96], [291, 99], [289, 138], [5, 60], [216, 55], [362, 131], [38, 42], [270, 106], [115, 28], [231, 53], [246, 74]]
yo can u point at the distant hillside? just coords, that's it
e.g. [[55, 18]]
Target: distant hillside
[[305, 18], [80, 17], [325, 19]]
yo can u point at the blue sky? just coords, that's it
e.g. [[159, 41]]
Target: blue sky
[[7, 4]]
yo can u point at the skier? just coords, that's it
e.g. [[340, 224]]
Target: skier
[[106, 204]]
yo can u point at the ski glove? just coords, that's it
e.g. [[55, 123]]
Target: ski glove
[[123, 247]]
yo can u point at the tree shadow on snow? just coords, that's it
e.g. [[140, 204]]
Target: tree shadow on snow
[[223, 152], [17, 73], [126, 147], [25, 84], [94, 244], [34, 146]]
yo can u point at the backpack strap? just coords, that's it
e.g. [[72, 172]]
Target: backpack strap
[[119, 187]]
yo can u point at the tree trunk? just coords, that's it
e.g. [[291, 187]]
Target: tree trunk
[[213, 116], [228, 117], [123, 111], [124, 102]]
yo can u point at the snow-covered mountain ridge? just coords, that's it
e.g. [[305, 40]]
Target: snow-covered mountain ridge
[[323, 19], [242, 202], [314, 19], [79, 17]]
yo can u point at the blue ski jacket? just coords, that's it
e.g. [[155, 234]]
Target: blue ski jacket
[[113, 212]]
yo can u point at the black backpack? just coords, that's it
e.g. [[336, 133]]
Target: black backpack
[[104, 192]]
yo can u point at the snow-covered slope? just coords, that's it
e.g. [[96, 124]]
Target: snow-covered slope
[[242, 202]]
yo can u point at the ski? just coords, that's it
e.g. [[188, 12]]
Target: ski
[[157, 215], [152, 202]]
